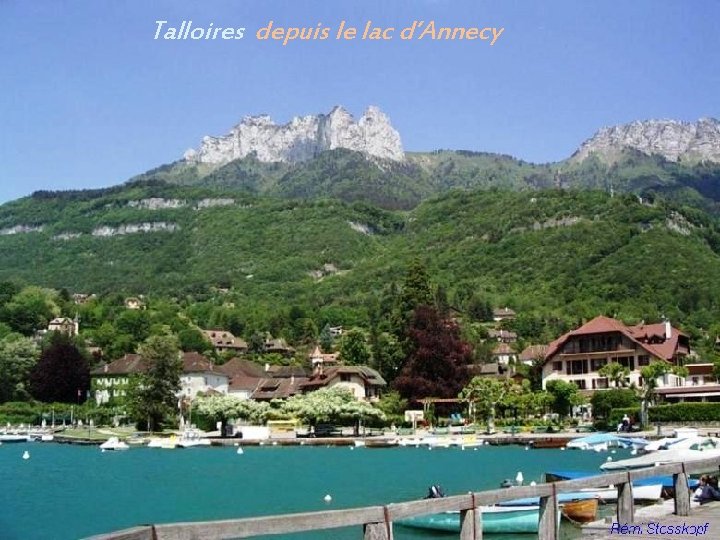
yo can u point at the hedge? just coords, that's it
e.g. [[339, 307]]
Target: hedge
[[677, 412]]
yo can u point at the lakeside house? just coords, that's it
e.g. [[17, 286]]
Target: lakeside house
[[578, 355], [109, 382], [244, 377], [699, 385], [364, 382]]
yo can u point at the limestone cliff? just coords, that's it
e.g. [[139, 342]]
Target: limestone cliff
[[674, 140], [303, 138]]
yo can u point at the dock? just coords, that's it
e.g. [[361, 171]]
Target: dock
[[705, 519]]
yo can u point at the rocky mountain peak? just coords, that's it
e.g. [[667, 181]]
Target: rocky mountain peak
[[303, 138], [672, 139]]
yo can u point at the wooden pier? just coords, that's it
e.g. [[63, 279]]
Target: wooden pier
[[377, 521]]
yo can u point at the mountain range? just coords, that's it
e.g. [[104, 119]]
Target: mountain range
[[325, 211]]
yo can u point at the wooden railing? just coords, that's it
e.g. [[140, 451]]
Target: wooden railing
[[377, 521]]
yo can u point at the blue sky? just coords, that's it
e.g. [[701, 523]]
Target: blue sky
[[88, 98]]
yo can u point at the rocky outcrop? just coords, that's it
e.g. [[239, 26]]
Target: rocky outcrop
[[303, 138], [132, 228], [20, 229], [686, 141], [157, 203]]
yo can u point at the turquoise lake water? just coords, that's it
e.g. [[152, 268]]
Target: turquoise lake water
[[66, 492]]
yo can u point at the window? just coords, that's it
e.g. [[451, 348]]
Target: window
[[597, 363], [580, 384], [577, 367], [643, 360], [345, 377], [600, 384], [557, 366]]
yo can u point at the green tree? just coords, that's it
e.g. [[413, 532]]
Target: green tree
[[337, 405], [18, 356], [484, 394], [353, 347], [565, 396], [615, 373], [225, 408], [386, 355], [31, 309], [152, 396], [615, 398], [415, 292], [192, 339], [326, 339], [650, 374]]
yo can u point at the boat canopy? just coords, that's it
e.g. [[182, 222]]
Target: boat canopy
[[605, 439], [666, 481]]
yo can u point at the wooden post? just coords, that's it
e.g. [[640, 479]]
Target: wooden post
[[471, 524], [548, 524], [625, 503], [378, 531], [682, 493]]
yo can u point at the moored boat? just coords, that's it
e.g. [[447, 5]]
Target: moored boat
[[583, 511], [113, 443], [495, 520], [380, 443]]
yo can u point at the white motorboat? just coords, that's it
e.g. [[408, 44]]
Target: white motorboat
[[113, 443], [662, 457], [692, 442], [191, 438]]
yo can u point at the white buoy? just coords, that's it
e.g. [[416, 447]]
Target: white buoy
[[612, 451], [102, 450], [519, 478], [633, 452], [533, 483], [609, 458], [262, 443], [274, 443], [527, 448], [327, 498], [563, 448], [26, 455], [240, 450]]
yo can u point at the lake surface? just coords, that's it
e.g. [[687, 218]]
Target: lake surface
[[66, 492]]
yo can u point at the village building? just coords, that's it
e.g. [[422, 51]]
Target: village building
[[135, 302], [109, 382], [224, 341], [64, 325], [364, 382], [504, 336], [278, 346], [532, 354], [578, 355], [280, 382], [700, 385], [503, 354], [503, 314], [244, 377]]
